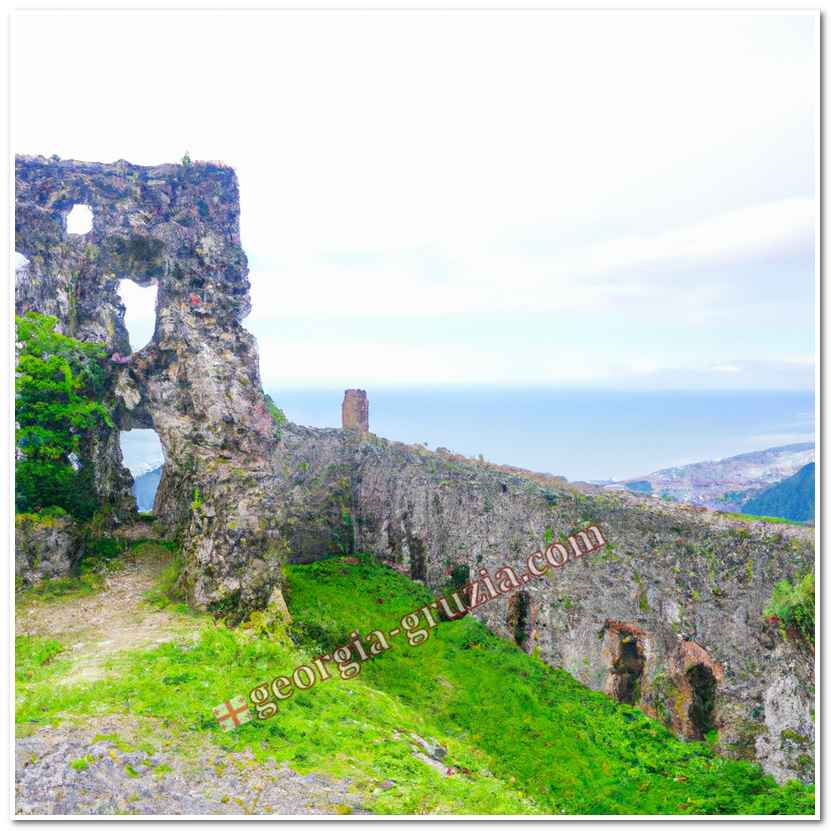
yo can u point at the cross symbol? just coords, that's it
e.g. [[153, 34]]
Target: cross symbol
[[231, 714]]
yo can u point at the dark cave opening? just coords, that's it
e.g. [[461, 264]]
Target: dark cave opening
[[627, 669], [703, 686]]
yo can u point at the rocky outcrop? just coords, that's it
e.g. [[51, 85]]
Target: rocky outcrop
[[80, 770], [45, 547]]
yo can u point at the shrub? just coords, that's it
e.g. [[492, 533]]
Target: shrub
[[276, 413], [57, 390], [793, 605]]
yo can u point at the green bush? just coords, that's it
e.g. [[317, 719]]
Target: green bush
[[793, 605], [58, 388], [277, 415]]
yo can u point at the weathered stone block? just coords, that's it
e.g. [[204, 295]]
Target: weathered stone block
[[45, 547]]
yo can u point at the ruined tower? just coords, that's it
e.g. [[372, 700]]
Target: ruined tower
[[197, 382], [355, 411]]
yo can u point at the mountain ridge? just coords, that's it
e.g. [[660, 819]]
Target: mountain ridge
[[724, 484], [792, 498]]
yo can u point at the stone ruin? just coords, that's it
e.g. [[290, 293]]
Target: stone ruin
[[355, 411], [667, 618], [197, 382]]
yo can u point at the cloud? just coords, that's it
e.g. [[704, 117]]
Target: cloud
[[794, 374], [750, 233], [585, 197], [455, 281], [365, 362]]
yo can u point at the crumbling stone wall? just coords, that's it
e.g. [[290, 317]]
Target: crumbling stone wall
[[197, 382], [668, 617]]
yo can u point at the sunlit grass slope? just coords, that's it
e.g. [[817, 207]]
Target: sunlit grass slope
[[522, 738]]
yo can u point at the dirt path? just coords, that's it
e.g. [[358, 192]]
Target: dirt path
[[75, 769], [93, 627]]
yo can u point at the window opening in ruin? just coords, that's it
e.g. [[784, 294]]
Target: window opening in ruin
[[20, 262], [627, 669], [703, 685], [79, 220], [518, 620], [140, 315], [143, 457]]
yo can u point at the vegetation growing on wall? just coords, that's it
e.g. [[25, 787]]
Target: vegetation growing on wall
[[277, 415], [58, 390], [793, 605]]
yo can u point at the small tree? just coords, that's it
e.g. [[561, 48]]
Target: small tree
[[58, 386]]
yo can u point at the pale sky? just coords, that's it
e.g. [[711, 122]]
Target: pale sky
[[606, 200]]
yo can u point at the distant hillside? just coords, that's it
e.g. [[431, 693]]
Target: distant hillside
[[144, 488], [726, 484], [792, 498]]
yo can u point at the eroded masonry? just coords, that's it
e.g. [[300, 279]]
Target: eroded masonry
[[667, 618]]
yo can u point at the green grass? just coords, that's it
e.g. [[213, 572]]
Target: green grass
[[523, 737], [32, 656], [569, 748], [165, 592], [753, 518], [102, 556], [793, 605], [63, 588]]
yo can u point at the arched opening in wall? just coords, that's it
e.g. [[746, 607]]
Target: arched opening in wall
[[143, 456], [20, 262], [626, 671], [140, 315], [79, 220], [702, 706], [519, 617]]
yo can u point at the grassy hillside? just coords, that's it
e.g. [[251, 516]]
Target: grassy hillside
[[792, 498], [521, 737]]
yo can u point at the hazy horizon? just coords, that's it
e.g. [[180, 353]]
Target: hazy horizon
[[581, 434]]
